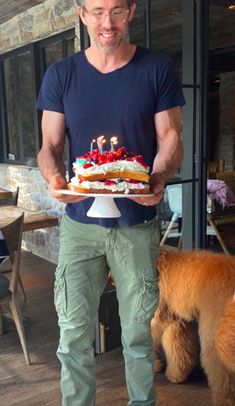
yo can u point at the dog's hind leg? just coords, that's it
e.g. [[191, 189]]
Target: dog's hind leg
[[225, 336], [158, 323], [181, 350], [220, 380]]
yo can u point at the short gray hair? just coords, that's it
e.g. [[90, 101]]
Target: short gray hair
[[82, 2]]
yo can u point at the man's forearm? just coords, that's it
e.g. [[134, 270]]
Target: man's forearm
[[50, 164], [168, 158]]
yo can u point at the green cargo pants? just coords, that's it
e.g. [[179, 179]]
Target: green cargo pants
[[87, 253]]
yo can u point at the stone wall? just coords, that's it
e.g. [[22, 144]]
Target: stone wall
[[227, 119], [44, 20], [34, 195]]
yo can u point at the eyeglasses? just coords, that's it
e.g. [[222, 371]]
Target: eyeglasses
[[98, 16]]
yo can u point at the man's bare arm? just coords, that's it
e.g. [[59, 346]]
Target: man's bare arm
[[169, 154], [50, 157], [170, 148]]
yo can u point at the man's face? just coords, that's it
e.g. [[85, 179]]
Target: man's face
[[107, 22]]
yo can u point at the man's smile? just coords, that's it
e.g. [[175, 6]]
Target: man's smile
[[108, 35]]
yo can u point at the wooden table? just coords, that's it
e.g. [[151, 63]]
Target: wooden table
[[33, 220], [5, 194]]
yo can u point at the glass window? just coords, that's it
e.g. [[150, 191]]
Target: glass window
[[221, 103], [70, 46], [173, 28], [137, 30], [166, 30], [54, 49], [53, 52], [11, 109], [19, 101], [23, 70], [159, 27], [26, 106]]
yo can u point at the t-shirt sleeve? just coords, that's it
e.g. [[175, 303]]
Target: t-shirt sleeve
[[169, 91], [50, 95]]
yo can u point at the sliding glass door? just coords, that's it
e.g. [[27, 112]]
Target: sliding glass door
[[177, 28]]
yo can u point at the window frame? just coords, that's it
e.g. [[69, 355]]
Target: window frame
[[38, 69]]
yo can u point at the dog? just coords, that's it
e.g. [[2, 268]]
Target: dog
[[196, 288]]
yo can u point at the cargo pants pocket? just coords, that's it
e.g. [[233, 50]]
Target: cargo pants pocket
[[147, 299], [60, 296]]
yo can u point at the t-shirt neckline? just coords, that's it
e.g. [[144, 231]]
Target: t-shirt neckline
[[113, 71]]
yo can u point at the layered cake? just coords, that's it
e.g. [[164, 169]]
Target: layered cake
[[110, 172]]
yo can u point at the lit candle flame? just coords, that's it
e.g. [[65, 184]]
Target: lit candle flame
[[100, 142], [113, 141]]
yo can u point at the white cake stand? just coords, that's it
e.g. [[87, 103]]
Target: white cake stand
[[104, 205]]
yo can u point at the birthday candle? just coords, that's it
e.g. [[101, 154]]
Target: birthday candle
[[91, 146], [113, 141], [100, 142]]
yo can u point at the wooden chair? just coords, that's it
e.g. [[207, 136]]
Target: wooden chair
[[214, 168], [12, 233], [6, 267], [13, 201]]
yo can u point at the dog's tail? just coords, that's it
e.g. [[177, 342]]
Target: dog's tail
[[225, 336]]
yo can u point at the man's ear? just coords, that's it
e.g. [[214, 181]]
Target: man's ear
[[132, 11], [82, 14]]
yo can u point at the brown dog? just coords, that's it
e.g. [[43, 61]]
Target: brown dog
[[197, 285]]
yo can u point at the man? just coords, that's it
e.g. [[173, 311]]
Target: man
[[112, 87]]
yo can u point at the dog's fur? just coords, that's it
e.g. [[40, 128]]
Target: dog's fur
[[197, 285]]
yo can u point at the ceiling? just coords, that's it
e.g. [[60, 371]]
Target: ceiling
[[10, 8]]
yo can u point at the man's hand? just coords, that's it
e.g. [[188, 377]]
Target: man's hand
[[157, 183], [59, 182]]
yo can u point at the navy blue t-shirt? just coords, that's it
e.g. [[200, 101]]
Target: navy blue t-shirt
[[121, 103]]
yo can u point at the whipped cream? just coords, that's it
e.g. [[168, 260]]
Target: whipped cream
[[122, 165], [118, 187]]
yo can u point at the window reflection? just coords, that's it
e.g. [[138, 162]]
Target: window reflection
[[26, 107], [166, 30], [18, 94], [70, 46], [53, 52], [137, 27], [221, 104], [11, 110]]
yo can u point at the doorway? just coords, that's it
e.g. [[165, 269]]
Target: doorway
[[221, 117]]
